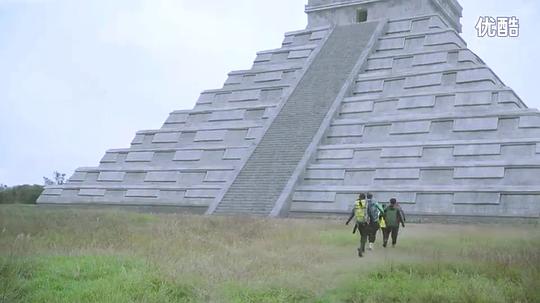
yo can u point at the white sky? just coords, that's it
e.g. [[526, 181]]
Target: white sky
[[80, 77]]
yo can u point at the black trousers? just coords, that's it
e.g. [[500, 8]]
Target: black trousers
[[386, 234], [373, 229], [363, 228]]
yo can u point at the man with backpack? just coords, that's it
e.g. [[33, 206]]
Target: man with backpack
[[393, 218], [360, 212], [374, 212]]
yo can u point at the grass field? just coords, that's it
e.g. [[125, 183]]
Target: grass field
[[69, 255]]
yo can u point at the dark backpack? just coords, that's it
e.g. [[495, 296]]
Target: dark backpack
[[373, 212]]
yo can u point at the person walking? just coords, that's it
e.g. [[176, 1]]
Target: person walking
[[393, 218], [362, 224], [374, 211]]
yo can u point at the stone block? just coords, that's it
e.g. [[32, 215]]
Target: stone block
[[245, 95], [357, 107], [479, 172], [402, 63], [508, 97], [270, 76], [314, 196], [109, 158], [466, 56], [254, 133], [335, 154], [476, 124], [263, 57], [166, 138], [412, 127], [229, 115], [269, 112], [477, 150], [444, 38], [402, 152], [436, 22], [529, 121], [78, 176], [188, 155], [52, 192], [111, 176], [140, 157], [210, 135], [475, 75], [352, 130], [440, 176], [288, 40], [298, 54], [399, 26], [139, 139], [369, 86], [434, 202], [416, 102], [414, 44], [423, 80], [92, 192], [234, 153], [473, 98], [206, 98], [142, 193], [397, 173], [201, 193], [161, 176], [379, 63], [177, 118], [234, 79], [318, 35], [391, 44], [430, 58], [325, 174], [401, 197], [359, 177], [478, 198], [218, 176]]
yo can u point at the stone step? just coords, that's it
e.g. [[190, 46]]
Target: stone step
[[269, 168]]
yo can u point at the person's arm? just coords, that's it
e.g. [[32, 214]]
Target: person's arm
[[400, 219], [402, 214], [379, 207], [350, 217]]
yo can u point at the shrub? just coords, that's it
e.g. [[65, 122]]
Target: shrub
[[24, 194]]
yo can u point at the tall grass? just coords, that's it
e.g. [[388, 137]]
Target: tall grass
[[73, 255]]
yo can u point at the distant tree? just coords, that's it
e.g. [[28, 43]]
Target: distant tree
[[25, 194], [58, 179], [3, 187]]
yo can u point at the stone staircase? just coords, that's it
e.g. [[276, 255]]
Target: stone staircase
[[266, 172]]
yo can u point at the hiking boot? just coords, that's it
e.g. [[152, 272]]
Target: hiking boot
[[384, 244], [360, 253], [370, 246]]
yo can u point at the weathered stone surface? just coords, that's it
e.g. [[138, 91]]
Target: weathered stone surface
[[397, 106]]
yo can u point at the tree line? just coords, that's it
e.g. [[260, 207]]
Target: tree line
[[28, 194]]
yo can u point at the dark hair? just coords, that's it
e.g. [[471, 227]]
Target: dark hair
[[369, 195], [393, 201], [362, 196]]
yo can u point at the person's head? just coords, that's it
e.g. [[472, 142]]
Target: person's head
[[393, 202], [362, 196], [370, 196]]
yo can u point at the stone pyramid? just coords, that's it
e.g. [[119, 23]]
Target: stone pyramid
[[374, 95]]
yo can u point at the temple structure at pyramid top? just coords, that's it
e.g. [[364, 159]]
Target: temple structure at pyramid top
[[378, 96]]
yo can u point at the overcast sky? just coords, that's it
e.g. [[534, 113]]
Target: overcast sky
[[80, 77]]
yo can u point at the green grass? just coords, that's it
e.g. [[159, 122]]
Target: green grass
[[74, 255]]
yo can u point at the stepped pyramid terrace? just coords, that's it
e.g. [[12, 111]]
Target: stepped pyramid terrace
[[374, 95]]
